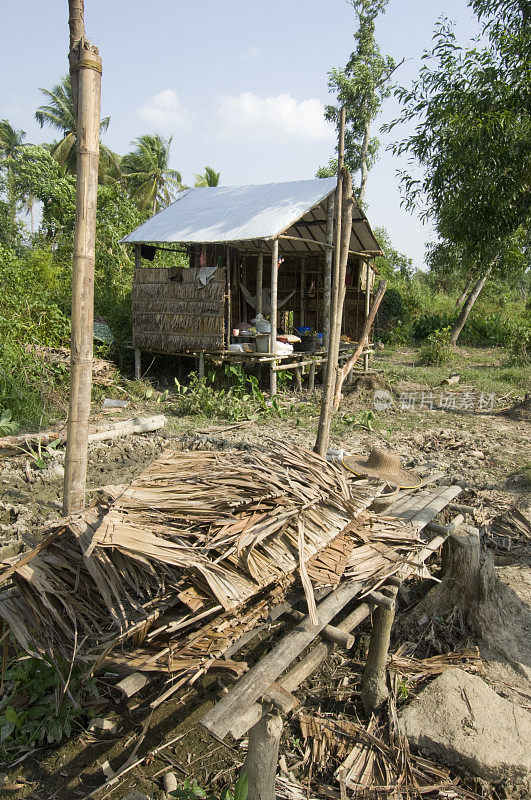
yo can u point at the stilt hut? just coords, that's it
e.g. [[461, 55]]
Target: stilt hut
[[250, 251]]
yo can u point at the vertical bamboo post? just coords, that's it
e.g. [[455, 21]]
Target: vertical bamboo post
[[201, 366], [259, 282], [85, 70], [311, 378], [368, 274], [274, 314], [323, 430], [138, 355], [374, 690], [261, 761], [302, 291], [228, 289], [327, 296], [237, 271]]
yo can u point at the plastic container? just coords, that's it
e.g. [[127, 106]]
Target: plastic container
[[303, 329]]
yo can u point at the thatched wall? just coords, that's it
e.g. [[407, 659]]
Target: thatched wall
[[174, 313]]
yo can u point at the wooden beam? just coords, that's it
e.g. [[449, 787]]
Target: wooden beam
[[219, 719]]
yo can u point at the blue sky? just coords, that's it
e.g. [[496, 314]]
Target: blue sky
[[240, 85]]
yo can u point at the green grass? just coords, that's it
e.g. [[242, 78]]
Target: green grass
[[483, 368]]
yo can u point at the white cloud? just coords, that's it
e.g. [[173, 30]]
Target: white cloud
[[247, 116], [251, 52], [166, 112]]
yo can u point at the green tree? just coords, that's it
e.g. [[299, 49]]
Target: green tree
[[472, 138], [11, 143], [150, 180], [393, 263], [59, 113], [209, 178], [361, 87]]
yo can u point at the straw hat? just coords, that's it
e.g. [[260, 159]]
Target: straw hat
[[383, 465]]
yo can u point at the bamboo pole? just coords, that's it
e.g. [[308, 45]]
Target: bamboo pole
[[302, 291], [327, 298], [85, 70], [368, 281], [274, 313], [229, 304], [259, 282], [323, 431], [343, 371]]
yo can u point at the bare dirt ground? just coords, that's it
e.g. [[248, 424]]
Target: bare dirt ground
[[486, 452]]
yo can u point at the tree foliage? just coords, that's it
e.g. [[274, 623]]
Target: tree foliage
[[471, 108], [209, 178], [59, 113], [361, 87], [146, 169]]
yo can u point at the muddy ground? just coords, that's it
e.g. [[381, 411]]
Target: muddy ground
[[486, 452]]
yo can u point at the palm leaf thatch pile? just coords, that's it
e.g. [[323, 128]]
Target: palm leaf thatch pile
[[205, 541]]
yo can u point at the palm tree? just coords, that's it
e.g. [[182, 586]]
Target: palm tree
[[11, 142], [209, 178], [59, 114], [151, 182]]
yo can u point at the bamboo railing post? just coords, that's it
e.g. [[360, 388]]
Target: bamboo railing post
[[274, 313], [327, 291], [261, 761], [85, 70], [374, 690], [368, 282], [259, 282]]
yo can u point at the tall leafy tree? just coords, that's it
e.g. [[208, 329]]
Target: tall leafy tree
[[58, 113], [209, 178], [362, 86], [472, 112], [147, 173], [11, 143]]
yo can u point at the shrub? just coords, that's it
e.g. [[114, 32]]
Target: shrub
[[36, 708], [437, 349], [519, 345], [237, 403]]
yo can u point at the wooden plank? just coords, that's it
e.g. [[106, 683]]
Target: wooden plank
[[255, 682]]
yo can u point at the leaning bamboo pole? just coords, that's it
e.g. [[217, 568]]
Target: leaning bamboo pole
[[342, 372], [323, 430], [85, 71]]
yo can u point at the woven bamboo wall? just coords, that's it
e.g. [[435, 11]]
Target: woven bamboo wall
[[174, 313]]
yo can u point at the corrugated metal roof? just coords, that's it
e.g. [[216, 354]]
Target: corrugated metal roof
[[243, 213]]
